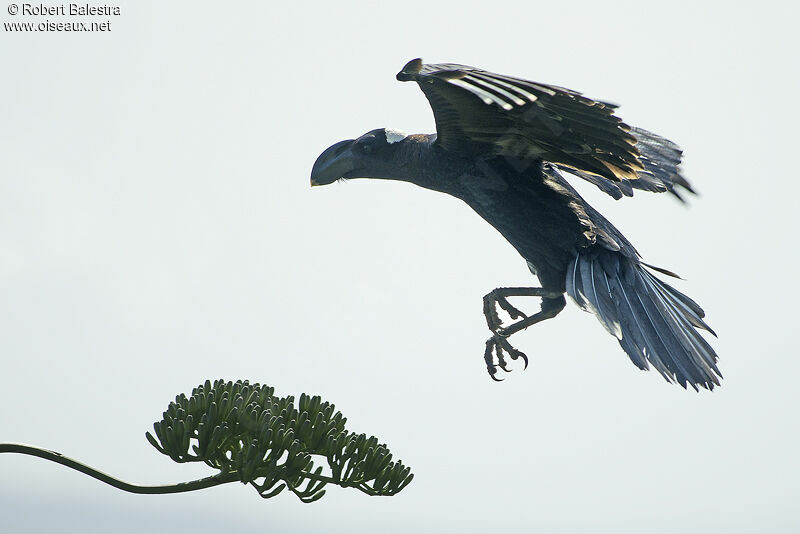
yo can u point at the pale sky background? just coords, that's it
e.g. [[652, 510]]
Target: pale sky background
[[157, 228]]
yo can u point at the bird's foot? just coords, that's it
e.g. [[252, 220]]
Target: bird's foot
[[490, 303], [496, 347], [511, 310]]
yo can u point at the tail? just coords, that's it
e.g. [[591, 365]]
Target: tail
[[653, 322]]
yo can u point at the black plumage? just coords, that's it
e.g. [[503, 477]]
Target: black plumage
[[503, 145]]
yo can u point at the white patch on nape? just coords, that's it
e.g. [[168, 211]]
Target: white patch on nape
[[394, 136]]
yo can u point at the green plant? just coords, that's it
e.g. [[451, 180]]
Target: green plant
[[251, 436]]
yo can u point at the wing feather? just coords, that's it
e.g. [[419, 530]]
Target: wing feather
[[562, 126], [481, 112]]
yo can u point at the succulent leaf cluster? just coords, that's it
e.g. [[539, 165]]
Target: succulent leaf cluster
[[271, 442]]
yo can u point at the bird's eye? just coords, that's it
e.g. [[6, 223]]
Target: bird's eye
[[366, 148]]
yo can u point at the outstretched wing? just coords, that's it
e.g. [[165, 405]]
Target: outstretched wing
[[479, 112]]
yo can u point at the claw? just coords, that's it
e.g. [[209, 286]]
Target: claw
[[503, 343], [511, 310], [496, 346], [494, 377], [524, 359], [492, 348]]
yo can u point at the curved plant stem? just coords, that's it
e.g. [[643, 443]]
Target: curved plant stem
[[208, 482]]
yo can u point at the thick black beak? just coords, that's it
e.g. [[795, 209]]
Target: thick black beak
[[334, 163]]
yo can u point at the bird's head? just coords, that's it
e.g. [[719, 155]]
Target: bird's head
[[373, 155]]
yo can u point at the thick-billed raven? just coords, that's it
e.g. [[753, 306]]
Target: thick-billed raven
[[502, 145]]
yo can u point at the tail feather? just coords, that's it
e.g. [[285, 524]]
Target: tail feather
[[694, 313], [655, 323], [599, 302], [663, 348], [697, 347], [647, 342], [673, 351], [634, 336]]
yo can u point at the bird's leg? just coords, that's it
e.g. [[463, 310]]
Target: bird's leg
[[498, 297], [552, 304], [550, 308]]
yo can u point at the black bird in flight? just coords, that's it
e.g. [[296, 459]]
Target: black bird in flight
[[502, 145]]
